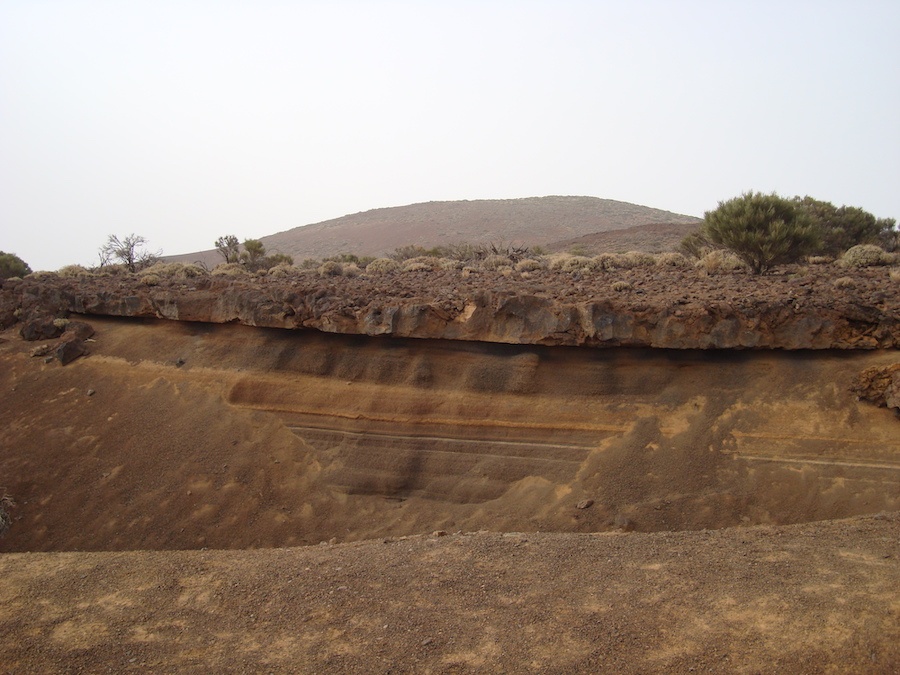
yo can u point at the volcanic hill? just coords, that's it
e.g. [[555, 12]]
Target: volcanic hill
[[533, 221]]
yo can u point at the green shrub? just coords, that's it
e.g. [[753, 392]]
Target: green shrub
[[762, 230], [12, 265], [865, 255], [841, 228]]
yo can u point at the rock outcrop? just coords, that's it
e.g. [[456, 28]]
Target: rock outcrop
[[671, 309]]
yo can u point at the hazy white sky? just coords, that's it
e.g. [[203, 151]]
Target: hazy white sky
[[185, 120]]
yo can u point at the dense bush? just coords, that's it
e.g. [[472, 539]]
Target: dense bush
[[841, 228], [865, 255], [762, 230], [12, 265]]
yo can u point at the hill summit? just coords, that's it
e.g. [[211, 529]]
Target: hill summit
[[533, 221]]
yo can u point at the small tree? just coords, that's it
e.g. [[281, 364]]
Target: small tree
[[762, 230], [12, 265], [229, 247], [254, 251], [129, 251]]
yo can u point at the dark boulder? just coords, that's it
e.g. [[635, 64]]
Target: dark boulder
[[69, 350]]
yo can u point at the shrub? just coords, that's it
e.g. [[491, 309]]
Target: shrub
[[283, 271], [450, 264], [331, 268], [841, 228], [696, 245], [414, 252], [762, 230], [844, 282], [894, 275], [577, 263], [12, 265], [351, 270], [865, 255], [530, 265], [495, 262], [631, 260], [73, 271], [234, 270], [382, 266], [61, 323], [719, 261], [419, 263], [819, 259], [672, 259], [621, 286], [150, 279], [130, 251]]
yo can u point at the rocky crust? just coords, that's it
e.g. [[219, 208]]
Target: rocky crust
[[881, 386], [798, 308]]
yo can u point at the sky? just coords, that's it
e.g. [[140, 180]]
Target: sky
[[185, 120]]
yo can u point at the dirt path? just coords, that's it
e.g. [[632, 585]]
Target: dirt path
[[801, 599]]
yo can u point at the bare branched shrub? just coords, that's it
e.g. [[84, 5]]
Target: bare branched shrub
[[865, 255], [382, 266]]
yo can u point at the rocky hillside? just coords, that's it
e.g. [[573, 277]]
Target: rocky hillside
[[535, 221]]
